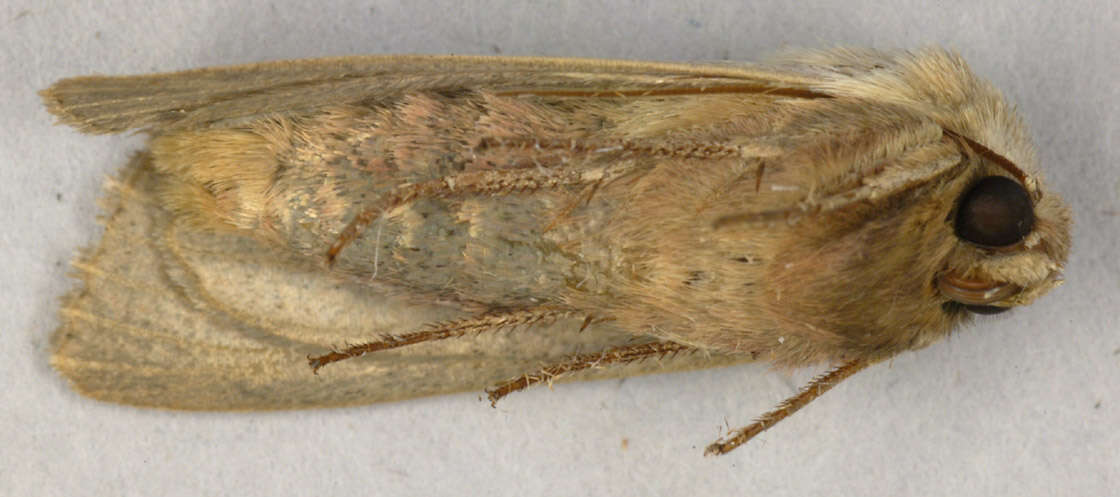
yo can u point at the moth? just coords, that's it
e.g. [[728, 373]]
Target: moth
[[417, 225]]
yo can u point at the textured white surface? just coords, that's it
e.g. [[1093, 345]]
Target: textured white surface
[[1022, 404]]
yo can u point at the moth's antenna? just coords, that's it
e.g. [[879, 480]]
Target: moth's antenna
[[987, 153]]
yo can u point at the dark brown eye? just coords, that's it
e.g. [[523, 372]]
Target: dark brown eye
[[986, 309], [952, 307], [995, 212]]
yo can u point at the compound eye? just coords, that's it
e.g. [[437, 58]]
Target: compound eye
[[986, 309], [953, 307], [995, 212]]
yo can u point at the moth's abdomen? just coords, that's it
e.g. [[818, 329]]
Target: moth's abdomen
[[215, 179], [299, 182]]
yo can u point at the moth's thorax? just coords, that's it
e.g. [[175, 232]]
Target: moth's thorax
[[821, 281]]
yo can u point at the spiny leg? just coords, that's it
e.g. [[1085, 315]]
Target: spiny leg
[[395, 198], [814, 389], [615, 356], [440, 331], [489, 182]]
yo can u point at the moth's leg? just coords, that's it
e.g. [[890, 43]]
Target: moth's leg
[[440, 331], [615, 356], [808, 393], [489, 182], [398, 197]]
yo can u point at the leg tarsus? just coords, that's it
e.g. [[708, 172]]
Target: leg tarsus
[[615, 356], [441, 331], [808, 393]]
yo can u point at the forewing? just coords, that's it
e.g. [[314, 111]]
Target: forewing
[[229, 95]]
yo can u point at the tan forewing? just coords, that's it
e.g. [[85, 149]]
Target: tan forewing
[[218, 96]]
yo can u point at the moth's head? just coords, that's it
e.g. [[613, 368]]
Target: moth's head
[[1012, 238]]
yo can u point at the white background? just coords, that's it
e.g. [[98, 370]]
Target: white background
[[1025, 403]]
